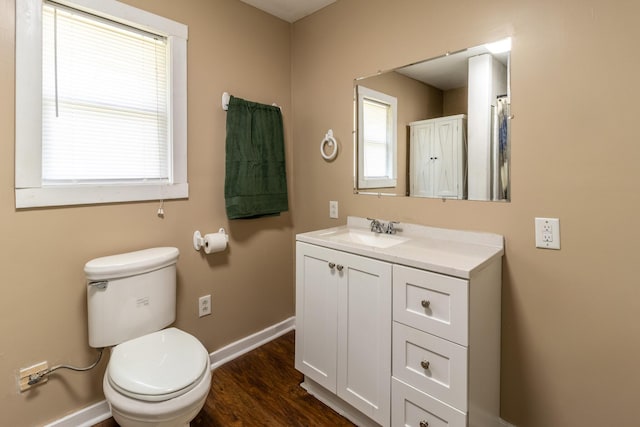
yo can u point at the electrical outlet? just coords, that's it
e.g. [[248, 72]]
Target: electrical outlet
[[204, 305], [333, 209], [547, 233], [23, 376]]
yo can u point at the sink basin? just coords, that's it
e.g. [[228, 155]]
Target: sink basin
[[365, 237]]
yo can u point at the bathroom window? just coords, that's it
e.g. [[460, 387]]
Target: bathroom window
[[377, 117], [100, 104]]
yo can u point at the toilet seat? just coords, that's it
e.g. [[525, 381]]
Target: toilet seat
[[158, 366]]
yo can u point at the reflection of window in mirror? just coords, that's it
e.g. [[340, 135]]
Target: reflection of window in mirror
[[377, 121]]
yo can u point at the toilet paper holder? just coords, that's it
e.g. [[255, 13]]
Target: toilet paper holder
[[198, 238]]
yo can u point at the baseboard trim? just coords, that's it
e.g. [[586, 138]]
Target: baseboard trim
[[100, 411], [245, 345], [85, 417]]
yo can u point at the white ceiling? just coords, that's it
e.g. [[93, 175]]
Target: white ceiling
[[448, 71], [289, 10]]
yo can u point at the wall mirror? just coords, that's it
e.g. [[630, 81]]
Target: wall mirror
[[437, 128]]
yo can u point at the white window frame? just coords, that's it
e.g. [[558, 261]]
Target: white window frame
[[390, 179], [29, 189]]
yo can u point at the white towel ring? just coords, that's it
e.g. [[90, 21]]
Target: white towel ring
[[329, 141]]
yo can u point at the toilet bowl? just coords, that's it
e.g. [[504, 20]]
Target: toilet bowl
[[156, 377], [161, 380]]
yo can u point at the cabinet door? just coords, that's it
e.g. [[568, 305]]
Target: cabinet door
[[364, 335], [421, 182], [316, 314], [446, 150]]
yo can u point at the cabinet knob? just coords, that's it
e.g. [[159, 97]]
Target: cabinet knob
[[425, 364], [332, 265], [425, 303], [424, 423], [340, 267]]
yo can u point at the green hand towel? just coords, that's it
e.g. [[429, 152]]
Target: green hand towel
[[255, 181]]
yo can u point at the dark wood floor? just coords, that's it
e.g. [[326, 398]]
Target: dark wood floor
[[261, 388]]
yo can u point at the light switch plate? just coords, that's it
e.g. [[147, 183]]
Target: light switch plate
[[547, 233]]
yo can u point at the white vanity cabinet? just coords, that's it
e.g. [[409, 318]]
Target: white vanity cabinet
[[343, 327], [438, 157], [401, 330]]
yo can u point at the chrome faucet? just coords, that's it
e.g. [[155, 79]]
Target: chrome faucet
[[376, 226], [390, 228], [380, 227]]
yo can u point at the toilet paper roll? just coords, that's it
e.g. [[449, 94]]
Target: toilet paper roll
[[215, 242]]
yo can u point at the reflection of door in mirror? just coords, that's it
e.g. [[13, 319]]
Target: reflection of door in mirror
[[378, 123], [438, 157]]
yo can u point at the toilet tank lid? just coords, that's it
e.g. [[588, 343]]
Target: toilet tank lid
[[130, 263]]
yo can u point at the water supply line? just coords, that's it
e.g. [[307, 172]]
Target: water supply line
[[39, 376]]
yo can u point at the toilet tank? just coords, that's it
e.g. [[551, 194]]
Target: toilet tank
[[130, 295]]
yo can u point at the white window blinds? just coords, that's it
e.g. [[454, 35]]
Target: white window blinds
[[377, 134], [104, 101]]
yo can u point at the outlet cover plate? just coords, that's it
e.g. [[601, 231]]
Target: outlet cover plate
[[547, 233], [23, 375], [204, 305], [333, 209]]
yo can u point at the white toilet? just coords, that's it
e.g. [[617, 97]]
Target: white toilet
[[155, 377]]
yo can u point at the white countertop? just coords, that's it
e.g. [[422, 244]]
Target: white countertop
[[452, 252]]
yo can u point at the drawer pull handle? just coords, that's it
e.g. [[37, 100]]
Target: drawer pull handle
[[425, 364], [340, 267], [332, 265], [425, 303], [424, 423]]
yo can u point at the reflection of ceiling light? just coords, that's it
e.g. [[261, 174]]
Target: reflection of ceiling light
[[500, 46]]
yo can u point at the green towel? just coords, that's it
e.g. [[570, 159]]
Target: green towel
[[255, 181]]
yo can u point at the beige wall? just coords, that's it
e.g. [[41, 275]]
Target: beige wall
[[570, 318], [570, 329], [455, 101], [232, 47]]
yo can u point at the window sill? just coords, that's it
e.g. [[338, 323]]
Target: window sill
[[377, 183], [95, 194]]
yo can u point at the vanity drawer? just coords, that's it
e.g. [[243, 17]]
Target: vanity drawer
[[412, 408], [436, 366], [431, 302]]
